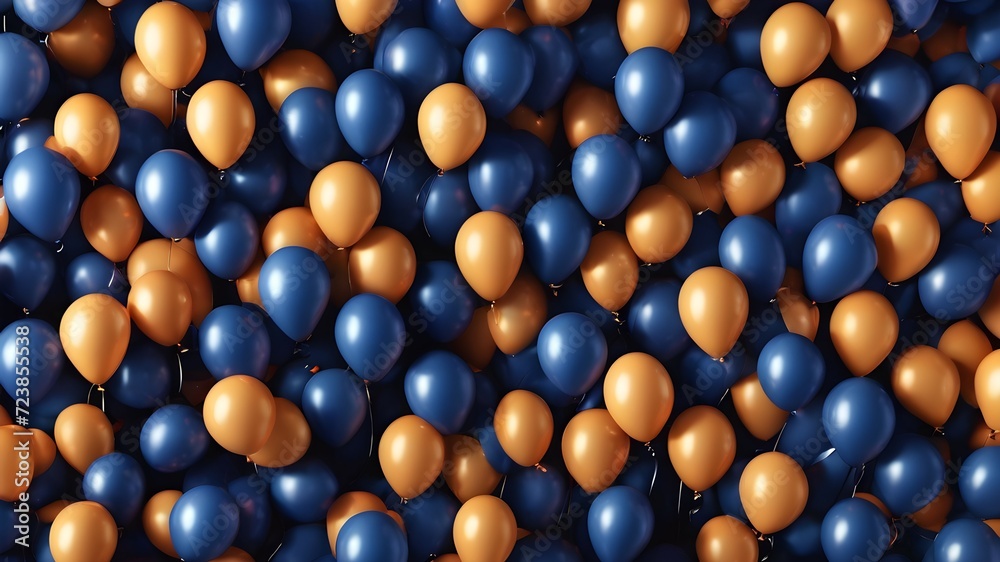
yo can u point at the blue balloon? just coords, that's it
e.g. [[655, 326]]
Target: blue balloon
[[751, 248], [146, 375], [226, 239], [523, 371], [219, 66], [500, 174], [303, 542], [93, 273], [599, 47], [312, 21], [893, 91], [654, 321], [370, 112], [494, 452], [295, 288], [444, 17], [447, 203], [791, 371], [42, 190], [442, 301], [253, 30], [290, 380], [983, 37], [47, 15], [620, 523], [979, 469], [556, 61], [116, 482], [438, 63], [965, 540], [310, 129], [943, 199], [606, 175], [536, 497], [304, 491], [142, 135], [370, 335], [335, 405], [743, 34], [198, 510], [859, 419], [953, 69], [173, 192], [498, 67], [254, 502], [429, 519], [702, 379], [174, 438], [37, 341], [24, 75], [440, 389], [809, 196], [956, 283], [258, 179], [703, 66], [27, 271], [838, 257], [125, 16], [572, 351], [700, 135], [233, 341], [556, 235], [407, 14], [653, 159], [371, 536], [27, 134], [910, 16], [649, 86], [752, 99], [854, 528], [908, 474], [702, 248]]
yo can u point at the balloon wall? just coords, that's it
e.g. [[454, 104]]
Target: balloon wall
[[499, 280]]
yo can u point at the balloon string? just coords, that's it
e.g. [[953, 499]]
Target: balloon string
[[857, 481], [387, 161], [173, 109], [680, 494], [271, 557], [180, 371], [100, 389], [780, 433], [371, 421], [992, 435], [503, 485], [656, 467]]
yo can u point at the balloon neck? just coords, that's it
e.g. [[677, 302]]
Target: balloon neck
[[801, 165], [440, 172], [538, 466], [600, 224], [987, 230], [314, 370], [26, 312]]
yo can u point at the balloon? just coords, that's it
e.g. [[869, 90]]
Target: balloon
[[519, 315], [864, 327], [751, 248], [172, 191], [988, 389], [752, 175], [893, 91], [549, 12], [141, 91], [524, 427], [362, 16], [345, 200], [45, 15], [652, 23], [658, 224], [42, 192], [295, 288], [240, 414], [36, 339], [851, 528], [714, 306], [859, 419], [117, 483], [869, 163], [773, 489], [649, 87], [294, 70], [701, 445], [965, 540], [639, 395], [966, 345], [428, 522], [452, 125], [83, 434], [700, 134], [252, 31], [620, 523], [220, 119], [484, 13], [809, 196], [926, 382], [111, 221], [347, 506], [467, 471], [198, 509], [489, 251], [485, 530], [838, 258], [654, 322], [498, 67], [226, 239], [170, 43], [233, 341], [84, 45], [976, 471], [25, 76], [174, 438], [310, 129], [500, 174], [371, 536], [438, 64], [556, 63], [726, 538], [441, 390], [83, 532], [94, 332], [572, 352], [908, 473], [27, 271], [382, 263], [289, 440], [606, 175], [756, 411], [369, 111], [335, 405], [816, 130], [610, 270], [156, 520], [977, 190], [160, 305], [956, 284], [793, 43], [87, 132], [589, 111], [791, 371], [960, 125], [752, 99], [906, 236], [411, 453], [370, 335]]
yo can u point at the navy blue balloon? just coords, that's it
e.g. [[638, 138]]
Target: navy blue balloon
[[429, 519], [371, 536], [859, 419], [142, 135], [522, 371], [440, 389], [438, 63], [370, 112], [500, 174], [751, 248], [27, 134], [312, 21], [752, 99], [654, 321], [442, 301], [572, 352], [956, 283], [838, 257], [370, 335], [977, 472], [498, 67], [310, 129], [556, 61], [743, 34], [38, 341], [702, 248], [259, 178], [226, 239], [303, 542], [253, 30], [809, 196], [174, 438], [703, 67], [700, 135], [852, 529], [956, 68], [908, 474], [536, 497], [653, 159], [447, 203], [24, 75], [197, 510], [335, 404], [42, 190], [620, 523], [290, 380], [649, 86], [599, 46], [444, 17], [146, 375], [494, 452], [947, 204], [910, 16], [254, 502], [965, 540], [27, 271], [556, 236], [983, 36], [233, 341], [116, 482], [295, 288], [304, 491], [702, 379], [606, 175], [791, 371], [893, 91], [173, 192]]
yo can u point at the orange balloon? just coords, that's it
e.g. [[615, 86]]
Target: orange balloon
[[864, 327], [759, 415], [43, 450], [988, 388], [542, 125], [94, 332], [489, 251], [345, 200], [181, 259], [727, 9], [555, 12], [909, 44], [702, 193], [773, 490], [513, 20], [821, 115], [860, 31], [714, 306], [84, 45], [112, 222], [519, 315], [346, 506], [160, 305], [653, 23], [594, 449], [994, 524], [233, 554], [16, 472], [960, 125], [340, 280], [362, 16], [701, 446], [752, 176], [726, 539], [906, 234], [639, 395], [800, 315], [83, 532], [869, 163], [170, 43], [411, 453], [48, 513], [83, 434], [966, 345], [989, 313], [295, 226], [485, 530], [524, 427], [981, 192], [246, 284], [240, 414], [589, 111], [289, 440], [934, 515], [141, 91], [4, 217], [926, 382], [466, 469], [658, 224], [610, 270], [876, 502], [476, 345], [87, 131], [293, 70], [221, 122], [793, 43], [383, 263], [482, 13], [156, 520], [452, 124]]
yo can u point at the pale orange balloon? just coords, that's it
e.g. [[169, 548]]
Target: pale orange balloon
[[452, 124], [344, 198], [84, 45], [966, 345], [484, 530], [543, 125], [934, 515], [15, 477], [926, 382], [292, 70], [727, 9], [801, 315], [589, 111], [658, 224], [83, 434], [869, 163], [714, 306], [43, 450], [513, 20], [701, 446], [773, 490], [793, 43], [639, 395], [246, 284], [981, 190], [555, 12], [83, 532], [524, 426], [171, 44], [994, 524], [295, 226], [112, 222], [363, 16], [594, 449], [489, 252], [864, 327], [476, 345], [156, 520], [519, 315], [610, 270], [141, 91], [907, 234], [48, 513], [288, 441], [960, 125], [346, 506], [220, 120], [160, 304], [94, 332], [466, 470], [726, 539], [653, 23], [860, 30], [821, 115], [759, 415], [383, 263], [752, 176], [988, 388], [482, 13], [87, 132], [411, 453], [989, 313], [181, 259], [240, 414], [702, 193]]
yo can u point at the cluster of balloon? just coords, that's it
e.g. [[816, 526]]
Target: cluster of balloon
[[499, 280]]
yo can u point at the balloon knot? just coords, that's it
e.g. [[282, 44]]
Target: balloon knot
[[801, 165], [176, 240], [600, 224], [440, 172], [538, 466], [987, 230], [25, 311], [314, 370], [100, 388], [697, 496]]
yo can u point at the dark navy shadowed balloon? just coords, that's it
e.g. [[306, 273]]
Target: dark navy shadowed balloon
[[893, 91], [419, 60], [444, 17], [942, 197], [173, 192], [791, 371], [28, 134], [24, 74], [956, 283], [859, 418], [500, 174], [556, 61], [983, 36], [965, 540], [440, 389], [649, 86], [620, 523], [653, 159], [956, 68], [447, 203], [752, 99], [703, 380], [700, 135], [146, 375], [253, 30], [254, 503], [978, 471], [290, 380], [370, 335], [370, 112], [371, 536], [751, 248], [536, 497], [116, 482], [557, 232], [304, 491], [226, 239], [295, 288], [606, 175], [46, 356], [174, 438], [27, 271], [142, 135], [809, 196], [599, 46], [839, 256], [908, 474], [303, 542], [654, 321], [442, 300], [335, 404], [522, 371], [743, 34], [42, 191], [498, 67], [702, 249], [428, 519], [259, 178], [310, 129], [851, 528], [542, 163], [312, 21], [199, 5], [703, 67], [572, 351], [233, 341], [798, 440], [198, 509], [495, 454]]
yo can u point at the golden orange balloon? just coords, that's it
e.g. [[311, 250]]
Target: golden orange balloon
[[869, 163], [542, 125], [411, 453], [83, 532], [94, 332], [589, 111], [466, 469], [485, 530], [476, 345], [240, 414], [988, 388], [639, 395], [555, 12], [112, 222], [87, 132], [594, 449], [83, 434], [701, 446], [727, 9], [926, 382], [981, 190], [821, 115], [860, 30], [292, 70], [773, 490], [907, 234], [141, 91], [489, 252], [653, 23], [344, 198], [793, 43], [289, 440], [524, 426], [726, 539], [714, 306], [658, 224], [864, 327], [220, 120], [759, 415], [702, 193], [801, 316], [752, 176], [171, 44], [519, 315], [156, 520], [482, 13], [452, 124], [610, 270], [160, 304], [84, 45], [960, 125], [181, 259], [966, 345], [382, 263], [363, 16]]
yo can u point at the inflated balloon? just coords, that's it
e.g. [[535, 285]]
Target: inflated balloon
[[851, 527], [658, 224], [700, 135], [485, 530], [572, 352], [620, 523], [27, 271], [46, 359], [199, 508], [714, 306], [411, 453], [362, 16], [170, 43], [589, 111], [926, 382], [489, 251], [752, 176], [289, 440], [160, 304], [370, 335], [440, 388], [294, 226], [382, 263], [651, 23], [556, 63], [906, 491], [524, 427], [893, 90], [347, 506], [141, 91], [863, 326], [220, 120], [500, 174], [309, 127], [116, 482], [467, 471], [958, 272], [702, 193], [988, 388], [172, 190], [773, 490], [25, 76], [839, 256], [369, 111], [756, 411], [156, 520], [83, 434], [226, 239], [610, 270], [907, 234], [519, 315], [860, 30], [240, 414], [793, 43], [751, 248], [649, 86], [701, 445], [452, 125], [174, 438], [370, 536], [252, 31], [859, 418], [111, 221], [965, 540], [42, 192], [94, 332], [295, 288], [46, 15], [293, 70], [607, 175], [639, 395], [497, 66], [821, 115], [978, 190], [960, 125], [725, 539], [869, 163], [966, 345], [791, 371], [179, 258], [84, 45], [83, 531]]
